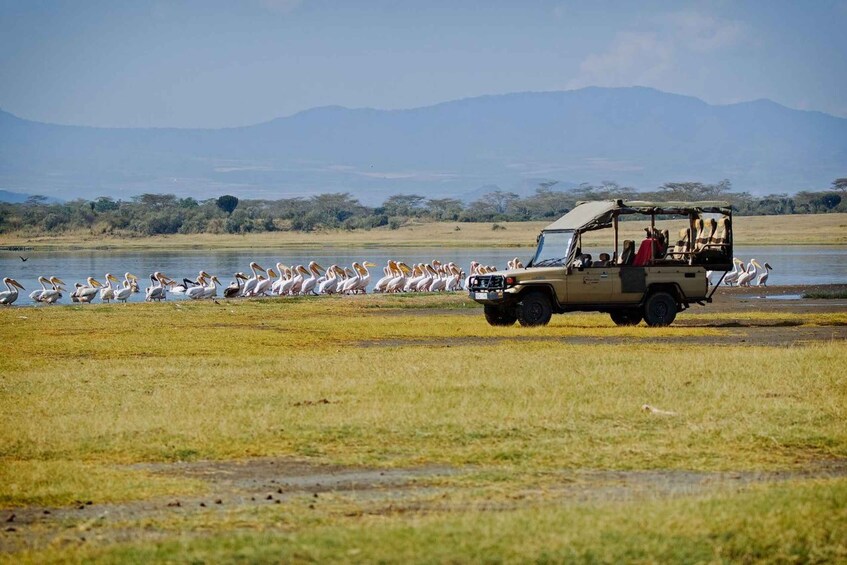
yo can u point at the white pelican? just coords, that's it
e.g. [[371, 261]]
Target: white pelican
[[414, 279], [388, 272], [280, 269], [52, 295], [439, 282], [107, 293], [424, 281], [763, 278], [286, 284], [7, 297], [309, 284], [399, 281], [264, 284], [749, 274], [327, 286], [454, 277], [234, 289], [158, 292], [251, 283], [211, 289], [88, 293], [188, 283], [293, 285], [737, 268], [35, 295], [199, 291], [123, 294], [351, 283]]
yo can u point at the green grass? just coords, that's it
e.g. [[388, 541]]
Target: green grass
[[87, 390], [825, 294]]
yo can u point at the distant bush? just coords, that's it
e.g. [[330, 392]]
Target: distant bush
[[154, 214]]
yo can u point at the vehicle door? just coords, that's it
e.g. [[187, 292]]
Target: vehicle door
[[590, 285]]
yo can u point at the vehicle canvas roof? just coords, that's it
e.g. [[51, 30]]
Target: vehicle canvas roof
[[587, 216]]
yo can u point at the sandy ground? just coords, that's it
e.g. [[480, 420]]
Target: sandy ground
[[264, 482]]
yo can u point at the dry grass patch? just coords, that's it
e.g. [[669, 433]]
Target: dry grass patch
[[799, 229]]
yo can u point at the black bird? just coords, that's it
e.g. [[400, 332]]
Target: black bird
[[23, 258]]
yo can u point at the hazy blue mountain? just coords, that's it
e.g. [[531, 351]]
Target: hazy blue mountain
[[635, 136], [18, 197]]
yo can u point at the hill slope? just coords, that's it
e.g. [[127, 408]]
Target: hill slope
[[636, 136]]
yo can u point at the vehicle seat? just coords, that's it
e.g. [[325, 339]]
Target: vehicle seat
[[705, 236], [721, 235], [628, 253], [681, 246], [697, 233]]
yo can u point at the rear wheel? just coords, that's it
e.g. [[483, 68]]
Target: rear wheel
[[497, 316], [660, 309], [626, 317], [534, 309]]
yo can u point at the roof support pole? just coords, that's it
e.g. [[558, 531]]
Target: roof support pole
[[652, 237], [615, 256]]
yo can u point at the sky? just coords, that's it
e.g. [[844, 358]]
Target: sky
[[218, 63]]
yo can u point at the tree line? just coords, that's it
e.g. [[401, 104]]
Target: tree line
[[155, 214]]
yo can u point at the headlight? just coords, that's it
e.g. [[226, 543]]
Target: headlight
[[510, 281]]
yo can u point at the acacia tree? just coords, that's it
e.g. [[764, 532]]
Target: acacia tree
[[227, 203], [840, 184]]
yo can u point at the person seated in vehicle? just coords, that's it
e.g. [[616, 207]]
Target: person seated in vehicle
[[646, 250], [604, 260], [582, 260]]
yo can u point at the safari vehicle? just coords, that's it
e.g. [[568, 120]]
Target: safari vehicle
[[650, 283]]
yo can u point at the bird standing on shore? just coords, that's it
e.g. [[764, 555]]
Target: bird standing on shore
[[763, 278], [8, 297]]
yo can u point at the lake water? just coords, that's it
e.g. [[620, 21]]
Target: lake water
[[792, 265]]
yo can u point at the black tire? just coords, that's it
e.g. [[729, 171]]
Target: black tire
[[626, 317], [660, 309], [534, 309], [497, 316]]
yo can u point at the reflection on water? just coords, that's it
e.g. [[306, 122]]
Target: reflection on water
[[792, 265]]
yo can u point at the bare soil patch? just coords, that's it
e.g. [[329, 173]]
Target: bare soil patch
[[266, 482]]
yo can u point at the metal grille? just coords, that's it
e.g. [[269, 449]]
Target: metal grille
[[487, 282]]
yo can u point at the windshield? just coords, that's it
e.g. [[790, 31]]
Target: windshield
[[553, 248]]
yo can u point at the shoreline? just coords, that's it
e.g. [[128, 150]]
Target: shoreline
[[723, 295]]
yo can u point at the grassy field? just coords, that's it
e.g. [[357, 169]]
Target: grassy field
[[92, 394], [820, 229]]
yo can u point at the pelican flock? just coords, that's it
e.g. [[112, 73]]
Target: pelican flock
[[306, 279], [745, 275]]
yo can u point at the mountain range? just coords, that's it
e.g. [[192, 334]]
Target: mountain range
[[636, 136]]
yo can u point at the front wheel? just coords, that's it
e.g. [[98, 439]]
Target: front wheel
[[626, 317], [500, 316], [535, 309], [660, 309]]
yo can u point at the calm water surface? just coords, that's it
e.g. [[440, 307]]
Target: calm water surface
[[792, 265]]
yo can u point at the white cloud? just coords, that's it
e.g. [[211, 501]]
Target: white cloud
[[632, 58], [648, 56]]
